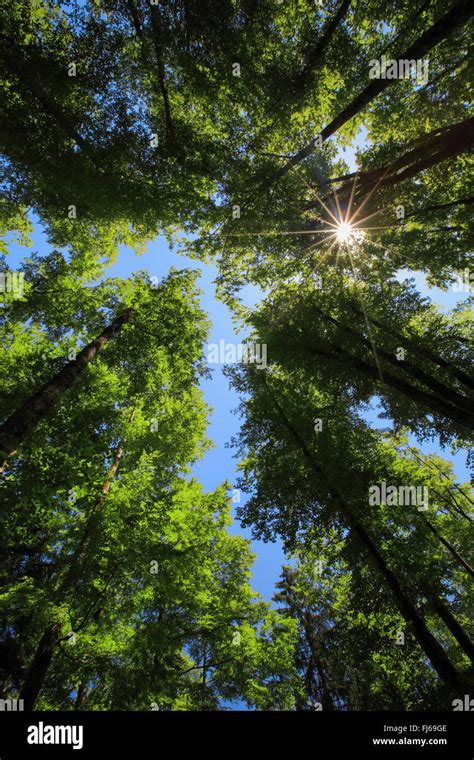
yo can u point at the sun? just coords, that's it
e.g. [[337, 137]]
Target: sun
[[344, 232], [348, 233]]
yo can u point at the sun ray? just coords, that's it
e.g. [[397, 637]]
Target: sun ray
[[394, 253], [351, 199], [370, 194], [321, 243], [366, 319], [280, 232], [327, 209], [369, 216], [318, 243], [339, 211]]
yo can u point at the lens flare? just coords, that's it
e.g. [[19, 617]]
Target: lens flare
[[344, 232]]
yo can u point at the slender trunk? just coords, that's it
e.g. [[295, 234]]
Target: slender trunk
[[133, 13], [41, 661], [157, 36], [326, 700], [408, 26], [456, 17], [437, 147], [292, 88], [340, 356], [79, 559], [438, 206], [82, 693], [425, 638], [26, 73], [421, 350], [314, 54], [453, 141], [434, 652], [316, 663], [22, 422], [440, 389], [454, 503], [461, 561], [453, 625]]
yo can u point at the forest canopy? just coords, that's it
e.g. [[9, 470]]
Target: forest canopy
[[227, 127]]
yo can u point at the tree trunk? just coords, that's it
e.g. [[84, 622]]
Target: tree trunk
[[456, 139], [157, 36], [461, 561], [133, 12], [78, 561], [316, 663], [44, 653], [408, 26], [22, 422], [82, 693], [435, 653], [341, 356], [41, 661], [314, 54], [27, 74], [421, 350], [440, 389], [453, 625], [441, 29]]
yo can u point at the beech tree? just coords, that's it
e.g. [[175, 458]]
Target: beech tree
[[329, 453], [115, 564]]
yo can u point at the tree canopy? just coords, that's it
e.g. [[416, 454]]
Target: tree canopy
[[228, 127]]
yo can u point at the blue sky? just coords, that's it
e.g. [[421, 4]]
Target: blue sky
[[219, 464]]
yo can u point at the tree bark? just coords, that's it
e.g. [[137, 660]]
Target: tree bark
[[22, 422], [453, 625], [292, 88], [446, 143], [316, 663], [407, 28], [314, 54], [41, 661], [27, 74], [82, 692], [79, 559], [438, 206], [133, 13], [38, 669], [460, 560], [461, 376], [440, 389]]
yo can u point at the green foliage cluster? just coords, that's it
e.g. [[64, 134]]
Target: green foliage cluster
[[223, 125]]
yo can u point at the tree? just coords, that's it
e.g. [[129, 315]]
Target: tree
[[396, 345], [115, 565], [331, 472]]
